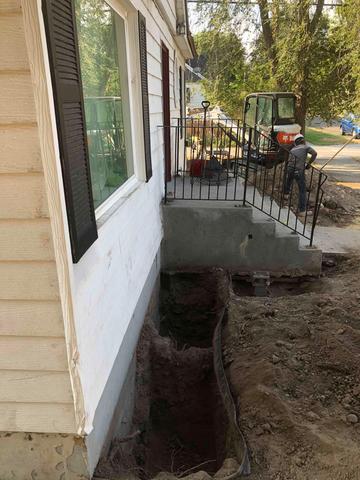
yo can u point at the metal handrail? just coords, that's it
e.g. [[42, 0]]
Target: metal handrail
[[234, 162]]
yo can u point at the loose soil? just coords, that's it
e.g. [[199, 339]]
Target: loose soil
[[292, 360], [293, 363], [179, 415], [341, 205]]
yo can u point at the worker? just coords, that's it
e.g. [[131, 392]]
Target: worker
[[297, 163]]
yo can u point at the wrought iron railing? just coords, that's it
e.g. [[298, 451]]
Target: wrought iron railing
[[221, 159]]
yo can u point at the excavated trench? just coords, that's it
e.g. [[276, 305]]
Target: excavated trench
[[180, 419], [187, 424]]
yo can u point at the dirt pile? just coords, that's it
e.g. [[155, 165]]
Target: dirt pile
[[293, 363], [340, 206]]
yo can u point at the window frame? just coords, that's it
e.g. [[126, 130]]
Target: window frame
[[130, 17]]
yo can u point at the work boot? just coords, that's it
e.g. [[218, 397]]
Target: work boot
[[304, 214]]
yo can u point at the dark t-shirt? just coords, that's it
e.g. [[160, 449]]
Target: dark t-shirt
[[299, 154]]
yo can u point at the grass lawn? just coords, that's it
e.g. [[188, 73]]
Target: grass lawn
[[317, 136]]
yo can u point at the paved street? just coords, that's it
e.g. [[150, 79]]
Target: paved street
[[345, 169]]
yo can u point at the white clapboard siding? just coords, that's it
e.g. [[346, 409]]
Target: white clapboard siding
[[33, 353], [35, 387], [26, 240], [155, 86], [37, 417], [31, 318], [28, 281], [22, 196], [13, 55], [10, 6], [16, 99], [155, 103], [154, 67], [19, 149]]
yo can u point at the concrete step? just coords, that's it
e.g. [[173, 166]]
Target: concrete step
[[224, 234]]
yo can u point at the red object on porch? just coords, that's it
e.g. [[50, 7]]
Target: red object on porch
[[197, 168]]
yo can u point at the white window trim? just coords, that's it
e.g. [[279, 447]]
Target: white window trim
[[130, 17], [123, 192]]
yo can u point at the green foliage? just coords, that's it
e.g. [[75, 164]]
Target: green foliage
[[319, 137], [297, 47], [98, 48], [346, 38], [223, 56]]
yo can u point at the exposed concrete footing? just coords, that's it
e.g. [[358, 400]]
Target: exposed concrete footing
[[223, 234], [42, 456]]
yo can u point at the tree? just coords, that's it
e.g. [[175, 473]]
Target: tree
[[222, 56], [294, 50], [98, 48], [346, 38]]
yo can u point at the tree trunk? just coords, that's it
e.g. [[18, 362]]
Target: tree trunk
[[301, 111]]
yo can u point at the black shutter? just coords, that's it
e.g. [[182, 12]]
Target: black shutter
[[60, 26], [181, 101], [145, 95]]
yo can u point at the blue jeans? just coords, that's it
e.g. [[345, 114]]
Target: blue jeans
[[299, 177]]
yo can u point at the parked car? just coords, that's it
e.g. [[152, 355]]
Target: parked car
[[350, 125]]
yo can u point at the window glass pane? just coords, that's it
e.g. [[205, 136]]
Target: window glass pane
[[102, 43], [251, 112], [286, 107], [265, 112]]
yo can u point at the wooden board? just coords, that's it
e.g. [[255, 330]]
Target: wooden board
[[19, 150], [37, 417], [31, 353], [26, 240], [28, 281], [16, 99], [22, 196], [31, 318], [13, 54], [33, 387]]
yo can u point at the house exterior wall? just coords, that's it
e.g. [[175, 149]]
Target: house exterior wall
[[68, 332], [194, 95], [108, 280], [35, 388]]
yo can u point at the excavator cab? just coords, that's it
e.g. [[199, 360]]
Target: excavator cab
[[272, 114]]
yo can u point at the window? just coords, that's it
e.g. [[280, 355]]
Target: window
[[264, 116], [87, 42], [250, 112], [286, 108], [103, 65]]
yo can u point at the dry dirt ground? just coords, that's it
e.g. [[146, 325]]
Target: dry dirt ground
[[340, 206], [293, 363]]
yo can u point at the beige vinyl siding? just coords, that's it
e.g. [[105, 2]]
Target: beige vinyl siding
[[35, 389], [10, 6], [19, 149], [12, 40]]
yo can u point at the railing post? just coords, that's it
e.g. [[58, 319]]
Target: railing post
[[248, 157], [317, 208]]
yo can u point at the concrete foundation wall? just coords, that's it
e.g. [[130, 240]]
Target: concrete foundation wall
[[113, 415], [224, 234], [28, 456]]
